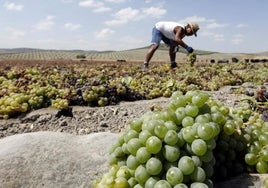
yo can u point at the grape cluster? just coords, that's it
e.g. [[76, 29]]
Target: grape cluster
[[255, 135], [180, 146], [60, 103], [191, 58], [13, 103]]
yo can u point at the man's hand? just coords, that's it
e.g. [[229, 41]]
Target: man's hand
[[189, 49]]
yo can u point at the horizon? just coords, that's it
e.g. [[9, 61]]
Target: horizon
[[47, 49]]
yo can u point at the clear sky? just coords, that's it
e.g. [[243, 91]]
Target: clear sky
[[225, 25]]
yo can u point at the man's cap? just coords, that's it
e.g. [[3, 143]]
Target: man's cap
[[195, 27]]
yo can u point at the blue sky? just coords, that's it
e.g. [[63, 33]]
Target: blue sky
[[225, 26]]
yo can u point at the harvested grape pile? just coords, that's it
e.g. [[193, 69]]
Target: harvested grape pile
[[191, 143]]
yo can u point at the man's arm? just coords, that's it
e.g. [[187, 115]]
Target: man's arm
[[179, 33]]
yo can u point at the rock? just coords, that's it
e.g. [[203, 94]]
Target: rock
[[51, 159]]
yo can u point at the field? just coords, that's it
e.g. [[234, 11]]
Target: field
[[58, 81]]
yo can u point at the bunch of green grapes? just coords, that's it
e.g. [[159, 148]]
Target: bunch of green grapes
[[60, 103], [243, 112], [95, 96], [191, 58], [90, 96], [171, 147], [230, 146], [12, 104], [255, 134], [36, 102]]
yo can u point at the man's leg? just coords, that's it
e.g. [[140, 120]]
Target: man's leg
[[156, 38], [150, 52], [172, 56]]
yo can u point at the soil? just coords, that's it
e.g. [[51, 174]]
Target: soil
[[82, 120]]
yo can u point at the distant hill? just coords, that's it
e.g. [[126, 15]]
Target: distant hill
[[137, 54]]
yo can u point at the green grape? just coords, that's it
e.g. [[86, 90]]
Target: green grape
[[150, 183], [189, 134], [263, 139], [143, 155], [264, 154], [180, 101], [174, 176], [154, 166], [181, 141], [180, 114], [160, 130], [113, 159], [123, 172], [153, 144], [262, 167], [206, 131], [171, 137], [203, 118], [132, 162], [113, 170], [121, 182], [180, 185], [169, 115], [149, 126], [189, 94], [170, 125], [224, 110], [106, 181], [141, 174], [133, 145], [200, 99], [124, 148], [229, 128], [118, 152], [138, 186], [218, 118], [130, 134], [162, 184], [187, 121], [132, 182], [186, 165], [251, 159], [198, 185], [136, 124], [191, 110], [199, 147], [198, 175], [144, 135], [171, 153], [197, 160]]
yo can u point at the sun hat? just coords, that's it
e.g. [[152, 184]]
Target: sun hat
[[194, 27]]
